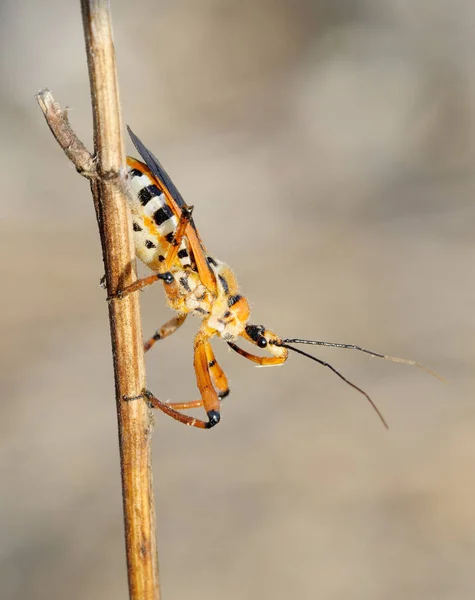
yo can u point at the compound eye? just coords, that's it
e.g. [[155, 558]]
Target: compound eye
[[262, 342]]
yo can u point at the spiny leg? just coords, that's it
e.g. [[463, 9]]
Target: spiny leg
[[165, 330]]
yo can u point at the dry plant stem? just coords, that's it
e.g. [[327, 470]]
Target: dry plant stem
[[119, 257], [106, 173]]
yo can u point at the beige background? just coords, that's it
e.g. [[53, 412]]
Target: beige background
[[328, 149]]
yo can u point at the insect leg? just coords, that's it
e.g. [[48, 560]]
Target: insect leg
[[185, 218], [167, 277], [220, 381], [263, 361], [203, 379], [218, 378], [209, 398], [262, 338], [174, 414], [165, 330]]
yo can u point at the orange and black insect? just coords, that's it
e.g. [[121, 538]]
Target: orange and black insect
[[167, 241]]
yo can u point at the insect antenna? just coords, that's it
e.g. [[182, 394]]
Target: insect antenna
[[370, 352], [325, 364]]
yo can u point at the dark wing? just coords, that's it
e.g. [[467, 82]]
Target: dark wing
[[155, 166]]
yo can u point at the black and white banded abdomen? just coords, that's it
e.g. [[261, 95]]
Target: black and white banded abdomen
[[154, 222]]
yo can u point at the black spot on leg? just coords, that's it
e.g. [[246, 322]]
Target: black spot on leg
[[183, 253], [149, 244], [136, 227]]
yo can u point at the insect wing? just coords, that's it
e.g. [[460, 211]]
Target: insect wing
[[156, 168]]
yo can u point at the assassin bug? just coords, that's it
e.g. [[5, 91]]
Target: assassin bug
[[167, 240]]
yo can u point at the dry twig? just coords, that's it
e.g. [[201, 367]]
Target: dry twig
[[106, 173]]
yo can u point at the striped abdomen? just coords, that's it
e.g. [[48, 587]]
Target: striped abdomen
[[154, 222]]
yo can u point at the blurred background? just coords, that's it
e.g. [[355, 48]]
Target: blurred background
[[327, 147]]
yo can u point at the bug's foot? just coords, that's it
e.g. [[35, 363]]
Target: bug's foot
[[144, 394], [117, 296], [213, 418]]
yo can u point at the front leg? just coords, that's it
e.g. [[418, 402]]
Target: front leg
[[265, 339], [166, 277]]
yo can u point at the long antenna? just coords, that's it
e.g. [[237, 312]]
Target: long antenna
[[370, 352], [325, 364]]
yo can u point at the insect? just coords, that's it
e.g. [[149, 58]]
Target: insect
[[167, 240]]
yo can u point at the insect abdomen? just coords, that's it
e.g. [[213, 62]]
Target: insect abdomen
[[154, 222]]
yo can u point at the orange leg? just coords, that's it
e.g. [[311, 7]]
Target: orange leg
[[219, 379], [257, 335], [264, 361], [167, 277], [165, 330], [185, 218], [171, 412], [204, 363], [203, 379], [218, 376]]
